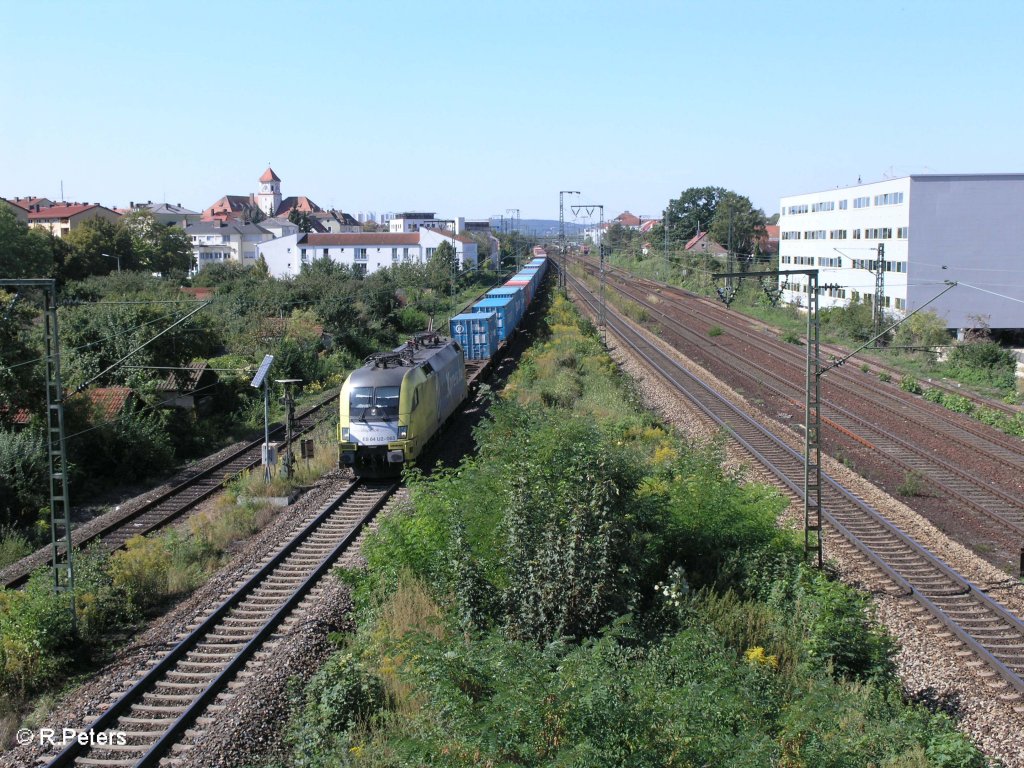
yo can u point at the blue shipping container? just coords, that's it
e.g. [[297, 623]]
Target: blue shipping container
[[516, 294], [477, 332], [504, 308]]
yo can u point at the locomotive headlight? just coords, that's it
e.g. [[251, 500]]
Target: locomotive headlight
[[344, 433], [403, 432]]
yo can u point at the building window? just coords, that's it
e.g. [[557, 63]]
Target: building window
[[856, 234], [303, 255], [828, 261], [405, 254], [842, 205], [430, 253], [360, 254], [896, 266], [790, 235], [837, 234], [325, 253], [815, 234], [890, 198], [901, 233], [394, 255], [826, 206], [900, 303], [786, 260], [878, 233], [359, 269], [861, 202]]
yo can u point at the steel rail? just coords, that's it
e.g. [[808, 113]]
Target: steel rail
[[975, 492], [955, 585], [169, 496], [134, 694]]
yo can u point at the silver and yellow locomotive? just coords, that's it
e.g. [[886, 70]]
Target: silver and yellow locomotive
[[397, 401]]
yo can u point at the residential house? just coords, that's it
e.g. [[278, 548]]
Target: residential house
[[364, 251], [61, 218], [216, 241], [702, 242], [168, 214], [21, 214]]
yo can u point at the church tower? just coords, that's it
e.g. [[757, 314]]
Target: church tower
[[269, 196]]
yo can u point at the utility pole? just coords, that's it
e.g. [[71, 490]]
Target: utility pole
[[603, 312], [812, 408], [877, 312], [561, 235], [60, 502], [514, 215]]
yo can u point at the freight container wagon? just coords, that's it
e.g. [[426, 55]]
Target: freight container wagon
[[518, 300], [504, 308], [477, 332]]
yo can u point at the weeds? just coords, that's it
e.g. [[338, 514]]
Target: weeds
[[914, 484]]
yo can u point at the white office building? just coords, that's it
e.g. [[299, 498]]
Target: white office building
[[932, 228]]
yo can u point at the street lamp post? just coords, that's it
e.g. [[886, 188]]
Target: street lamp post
[[113, 257]]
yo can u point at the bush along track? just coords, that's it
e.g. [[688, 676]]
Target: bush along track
[[588, 590]]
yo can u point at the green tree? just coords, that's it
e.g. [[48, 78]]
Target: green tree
[[737, 225], [89, 241], [694, 208], [157, 248], [301, 219], [24, 251], [442, 268], [21, 383]]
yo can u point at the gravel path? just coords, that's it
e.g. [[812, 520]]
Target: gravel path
[[932, 668]]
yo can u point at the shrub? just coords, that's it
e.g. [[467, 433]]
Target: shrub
[[715, 330], [909, 384], [958, 403], [983, 362], [913, 484], [14, 545], [142, 568], [885, 377], [842, 634]]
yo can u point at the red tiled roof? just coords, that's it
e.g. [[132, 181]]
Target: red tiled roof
[[62, 211], [109, 401], [203, 294], [627, 219], [772, 230], [298, 203], [26, 202], [268, 175], [648, 225], [363, 238]]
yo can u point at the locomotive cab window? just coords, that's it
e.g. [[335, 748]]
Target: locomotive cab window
[[381, 402], [386, 399]]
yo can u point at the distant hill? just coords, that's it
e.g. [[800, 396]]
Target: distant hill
[[538, 227]]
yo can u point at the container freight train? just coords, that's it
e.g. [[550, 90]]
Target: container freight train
[[393, 405]]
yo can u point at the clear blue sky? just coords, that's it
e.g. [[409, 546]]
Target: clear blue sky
[[471, 108]]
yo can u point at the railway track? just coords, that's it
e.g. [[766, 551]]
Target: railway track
[[695, 299], [175, 502], [192, 680], [977, 622], [1000, 504]]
